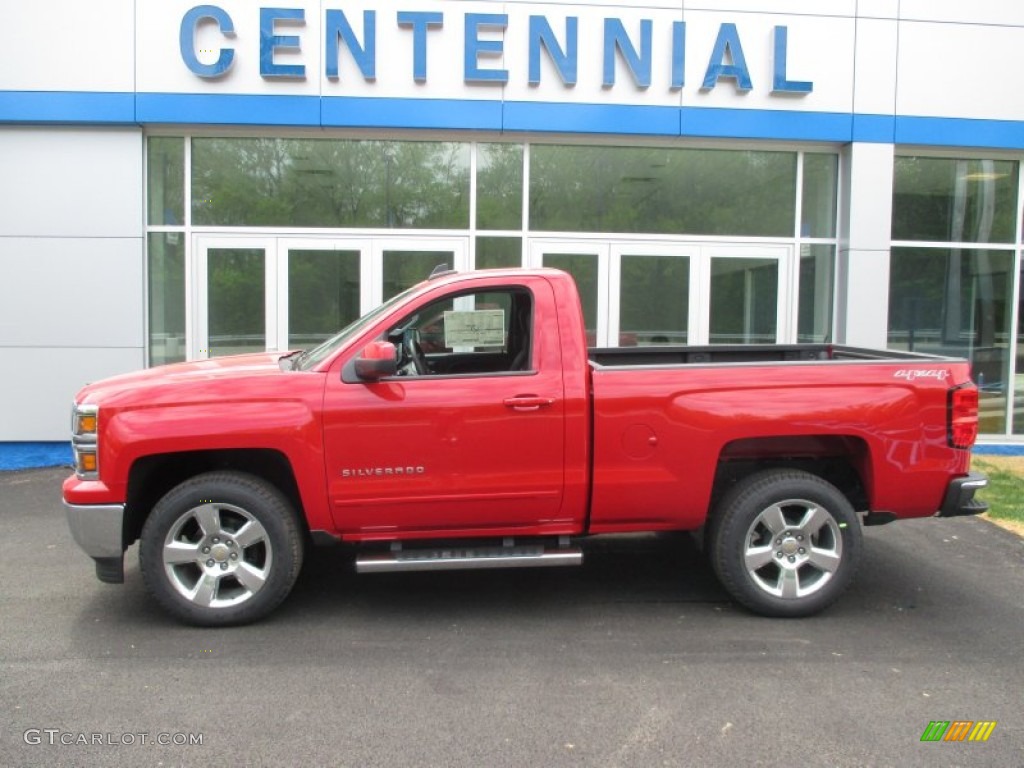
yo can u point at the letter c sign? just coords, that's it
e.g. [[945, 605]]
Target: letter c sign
[[187, 40]]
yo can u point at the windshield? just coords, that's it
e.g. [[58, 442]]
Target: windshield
[[315, 356]]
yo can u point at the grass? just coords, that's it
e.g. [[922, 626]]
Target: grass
[[1005, 491]]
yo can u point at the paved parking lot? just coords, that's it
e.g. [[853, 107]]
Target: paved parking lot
[[636, 659]]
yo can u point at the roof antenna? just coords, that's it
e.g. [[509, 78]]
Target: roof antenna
[[439, 270]]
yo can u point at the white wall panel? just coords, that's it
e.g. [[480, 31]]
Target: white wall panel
[[68, 45], [958, 70], [821, 44], [875, 81], [956, 59], [862, 306], [445, 59], [45, 383], [71, 182], [866, 219], [802, 7], [1010, 12], [862, 312], [71, 292], [591, 36], [161, 69], [574, 6], [820, 50], [878, 9], [71, 266]]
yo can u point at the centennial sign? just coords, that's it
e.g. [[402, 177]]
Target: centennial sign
[[483, 48]]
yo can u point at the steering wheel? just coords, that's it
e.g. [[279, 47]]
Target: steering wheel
[[413, 352]]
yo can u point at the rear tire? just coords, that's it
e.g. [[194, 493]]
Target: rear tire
[[222, 548], [785, 543]]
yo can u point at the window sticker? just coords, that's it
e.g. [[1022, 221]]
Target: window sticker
[[477, 328]]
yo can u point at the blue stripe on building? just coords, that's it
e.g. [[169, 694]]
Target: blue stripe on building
[[34, 455], [49, 107]]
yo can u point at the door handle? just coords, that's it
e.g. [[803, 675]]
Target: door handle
[[528, 402]]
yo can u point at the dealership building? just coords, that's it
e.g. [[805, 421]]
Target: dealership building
[[180, 181]]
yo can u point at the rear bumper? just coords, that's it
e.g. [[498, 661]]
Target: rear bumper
[[98, 530], [960, 499]]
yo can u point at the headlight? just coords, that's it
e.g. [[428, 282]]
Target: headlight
[[84, 441]]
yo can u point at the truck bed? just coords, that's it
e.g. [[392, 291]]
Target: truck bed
[[664, 420], [660, 356]]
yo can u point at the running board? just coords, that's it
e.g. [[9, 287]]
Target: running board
[[461, 558]]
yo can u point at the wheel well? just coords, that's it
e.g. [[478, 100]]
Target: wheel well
[[151, 477], [841, 460]]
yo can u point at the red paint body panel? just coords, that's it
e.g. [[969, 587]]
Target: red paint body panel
[[566, 447], [226, 403], [695, 414]]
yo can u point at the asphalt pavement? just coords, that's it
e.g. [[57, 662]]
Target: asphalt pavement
[[635, 659]]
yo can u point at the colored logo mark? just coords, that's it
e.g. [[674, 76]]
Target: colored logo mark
[[958, 730]]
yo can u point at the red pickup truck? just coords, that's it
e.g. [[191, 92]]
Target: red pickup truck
[[465, 424]]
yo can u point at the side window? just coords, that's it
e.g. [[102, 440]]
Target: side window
[[473, 333]]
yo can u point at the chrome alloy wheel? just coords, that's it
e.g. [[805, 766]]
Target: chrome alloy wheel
[[793, 549], [217, 555]]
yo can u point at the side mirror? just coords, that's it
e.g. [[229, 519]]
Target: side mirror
[[377, 360]]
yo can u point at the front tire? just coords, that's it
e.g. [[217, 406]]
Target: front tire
[[785, 543], [222, 548]]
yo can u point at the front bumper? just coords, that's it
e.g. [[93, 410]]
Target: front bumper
[[99, 530], [960, 499]]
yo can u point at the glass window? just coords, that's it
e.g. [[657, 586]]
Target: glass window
[[165, 255], [165, 176], [236, 292], [662, 191], [956, 302], [654, 300], [323, 294], [818, 211], [817, 273], [330, 183], [499, 186], [958, 201], [496, 252], [485, 332]]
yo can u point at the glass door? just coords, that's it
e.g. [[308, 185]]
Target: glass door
[[233, 292], [746, 291], [400, 263], [649, 294], [255, 294], [328, 283], [588, 263], [651, 289], [322, 288]]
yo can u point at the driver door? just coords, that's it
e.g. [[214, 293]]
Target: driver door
[[468, 442]]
